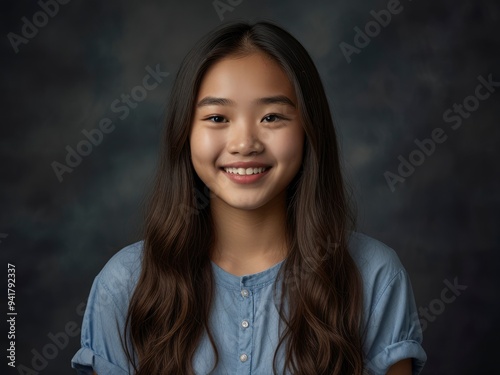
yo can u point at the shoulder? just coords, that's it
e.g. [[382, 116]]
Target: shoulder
[[125, 264], [378, 264], [127, 260], [120, 274], [391, 331], [105, 314], [371, 256]]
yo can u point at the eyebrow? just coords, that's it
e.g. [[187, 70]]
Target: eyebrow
[[277, 99]]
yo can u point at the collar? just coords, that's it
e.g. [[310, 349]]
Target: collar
[[252, 281]]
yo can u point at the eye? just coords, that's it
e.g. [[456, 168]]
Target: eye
[[273, 117], [216, 118]]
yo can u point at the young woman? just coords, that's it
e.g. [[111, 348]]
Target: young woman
[[250, 263]]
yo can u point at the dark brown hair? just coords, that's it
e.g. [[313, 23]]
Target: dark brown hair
[[168, 313]]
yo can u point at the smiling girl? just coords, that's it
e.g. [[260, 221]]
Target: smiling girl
[[250, 262]]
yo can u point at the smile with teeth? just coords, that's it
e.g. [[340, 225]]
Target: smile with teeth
[[246, 171]]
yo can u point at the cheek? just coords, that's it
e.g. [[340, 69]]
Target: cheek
[[289, 148], [205, 146]]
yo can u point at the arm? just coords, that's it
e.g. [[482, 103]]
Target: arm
[[402, 367]]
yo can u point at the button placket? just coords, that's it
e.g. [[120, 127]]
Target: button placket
[[245, 331]]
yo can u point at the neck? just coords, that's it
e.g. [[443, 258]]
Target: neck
[[249, 241]]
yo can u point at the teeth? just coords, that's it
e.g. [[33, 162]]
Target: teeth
[[245, 171]]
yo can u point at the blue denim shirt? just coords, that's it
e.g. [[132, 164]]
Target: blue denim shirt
[[245, 321]]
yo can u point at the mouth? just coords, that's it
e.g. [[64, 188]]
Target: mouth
[[245, 171]]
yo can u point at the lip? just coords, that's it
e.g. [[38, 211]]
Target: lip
[[247, 179]]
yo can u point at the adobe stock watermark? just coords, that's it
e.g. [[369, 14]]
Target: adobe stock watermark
[[310, 263], [59, 341], [437, 306], [94, 137], [223, 6], [372, 29], [30, 28], [425, 316], [426, 147], [308, 267]]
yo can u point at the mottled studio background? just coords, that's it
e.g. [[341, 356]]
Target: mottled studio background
[[443, 220]]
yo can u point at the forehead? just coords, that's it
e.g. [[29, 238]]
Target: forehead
[[245, 78]]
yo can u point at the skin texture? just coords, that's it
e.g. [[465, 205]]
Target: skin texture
[[249, 219], [402, 367]]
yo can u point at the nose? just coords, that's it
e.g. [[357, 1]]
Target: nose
[[245, 139]]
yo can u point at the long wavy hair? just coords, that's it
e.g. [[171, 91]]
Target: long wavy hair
[[168, 313]]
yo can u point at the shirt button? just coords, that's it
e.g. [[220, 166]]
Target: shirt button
[[245, 293], [243, 358], [244, 323]]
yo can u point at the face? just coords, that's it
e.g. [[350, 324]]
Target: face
[[246, 112]]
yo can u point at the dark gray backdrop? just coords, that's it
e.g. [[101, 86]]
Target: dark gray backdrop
[[442, 219]]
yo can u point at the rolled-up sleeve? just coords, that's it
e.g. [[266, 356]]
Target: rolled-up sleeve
[[101, 347], [393, 329]]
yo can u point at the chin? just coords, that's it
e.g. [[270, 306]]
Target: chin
[[246, 205]]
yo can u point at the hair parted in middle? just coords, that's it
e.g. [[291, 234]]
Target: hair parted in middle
[[168, 312]]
